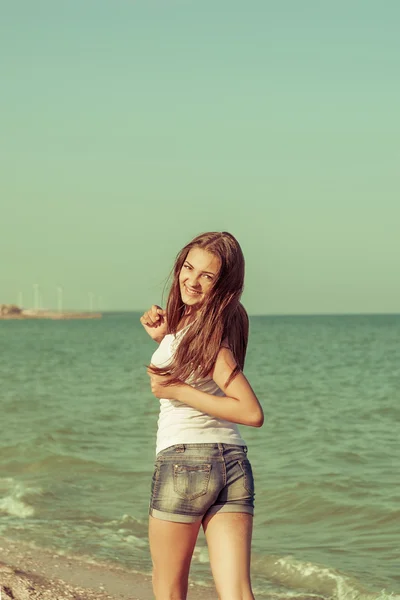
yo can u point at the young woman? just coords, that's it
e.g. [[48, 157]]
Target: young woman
[[202, 475]]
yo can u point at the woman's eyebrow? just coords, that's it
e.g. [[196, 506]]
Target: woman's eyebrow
[[208, 272]]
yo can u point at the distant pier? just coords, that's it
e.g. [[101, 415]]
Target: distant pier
[[12, 311]]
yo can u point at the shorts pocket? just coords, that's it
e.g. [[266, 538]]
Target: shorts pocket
[[191, 481], [248, 480]]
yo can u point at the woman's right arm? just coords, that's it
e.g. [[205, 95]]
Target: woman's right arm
[[239, 405], [154, 322]]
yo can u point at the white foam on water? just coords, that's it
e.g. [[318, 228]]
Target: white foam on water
[[317, 579], [11, 498], [135, 541], [127, 521], [201, 554], [11, 494]]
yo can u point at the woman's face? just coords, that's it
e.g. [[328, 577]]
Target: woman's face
[[198, 274]]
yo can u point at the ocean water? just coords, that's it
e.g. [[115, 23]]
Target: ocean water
[[77, 439]]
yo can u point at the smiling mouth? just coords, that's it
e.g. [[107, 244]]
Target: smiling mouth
[[191, 292]]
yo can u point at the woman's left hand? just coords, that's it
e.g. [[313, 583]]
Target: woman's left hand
[[162, 391]]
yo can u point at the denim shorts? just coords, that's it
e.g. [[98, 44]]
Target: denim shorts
[[191, 481]]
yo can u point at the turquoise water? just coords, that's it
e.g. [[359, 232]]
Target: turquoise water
[[77, 439]]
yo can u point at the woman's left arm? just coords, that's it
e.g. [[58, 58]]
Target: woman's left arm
[[239, 405]]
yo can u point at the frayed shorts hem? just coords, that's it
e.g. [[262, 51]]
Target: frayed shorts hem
[[213, 510]]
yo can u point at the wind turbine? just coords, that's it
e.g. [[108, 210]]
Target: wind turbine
[[59, 298], [36, 296], [90, 294]]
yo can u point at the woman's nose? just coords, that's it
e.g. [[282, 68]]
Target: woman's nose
[[193, 281]]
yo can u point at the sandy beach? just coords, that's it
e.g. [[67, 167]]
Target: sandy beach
[[27, 573]]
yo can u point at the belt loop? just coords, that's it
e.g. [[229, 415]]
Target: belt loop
[[180, 448]]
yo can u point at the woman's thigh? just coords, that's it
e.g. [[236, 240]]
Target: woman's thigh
[[229, 545], [171, 547]]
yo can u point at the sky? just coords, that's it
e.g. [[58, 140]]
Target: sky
[[127, 127]]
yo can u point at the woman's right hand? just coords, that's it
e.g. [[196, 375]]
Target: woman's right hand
[[155, 322]]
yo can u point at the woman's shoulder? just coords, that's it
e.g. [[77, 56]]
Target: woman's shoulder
[[225, 343]]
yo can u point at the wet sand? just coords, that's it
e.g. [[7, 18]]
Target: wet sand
[[28, 573]]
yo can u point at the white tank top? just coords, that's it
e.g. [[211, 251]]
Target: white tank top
[[179, 423]]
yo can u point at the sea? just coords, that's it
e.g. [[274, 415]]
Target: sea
[[77, 448]]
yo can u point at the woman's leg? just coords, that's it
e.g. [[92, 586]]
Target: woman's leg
[[171, 547], [229, 545]]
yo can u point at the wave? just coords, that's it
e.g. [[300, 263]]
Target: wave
[[11, 498], [317, 580]]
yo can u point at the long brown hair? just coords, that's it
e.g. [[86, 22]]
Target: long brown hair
[[221, 319]]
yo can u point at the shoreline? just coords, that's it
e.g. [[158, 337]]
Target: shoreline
[[30, 573]]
